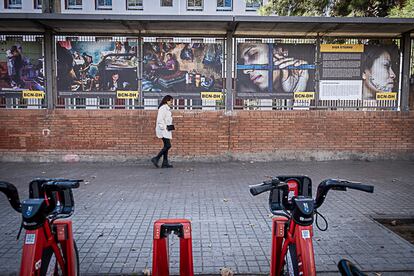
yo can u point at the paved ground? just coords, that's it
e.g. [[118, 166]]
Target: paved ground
[[115, 212]]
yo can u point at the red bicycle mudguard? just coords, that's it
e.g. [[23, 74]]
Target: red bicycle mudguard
[[160, 263]]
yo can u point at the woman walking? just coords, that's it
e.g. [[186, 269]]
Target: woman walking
[[163, 131]]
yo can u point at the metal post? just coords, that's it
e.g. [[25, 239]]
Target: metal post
[[49, 72], [405, 83], [317, 69], [229, 71], [140, 70]]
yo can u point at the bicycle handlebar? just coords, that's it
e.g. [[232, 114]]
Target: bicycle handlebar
[[61, 184], [269, 185], [340, 185], [323, 188], [49, 185], [265, 186], [346, 268], [12, 195]]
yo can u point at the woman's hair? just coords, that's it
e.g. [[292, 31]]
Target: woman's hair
[[372, 52], [165, 100]]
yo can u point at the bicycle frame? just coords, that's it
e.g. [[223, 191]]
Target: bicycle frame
[[37, 240], [298, 212], [299, 235]]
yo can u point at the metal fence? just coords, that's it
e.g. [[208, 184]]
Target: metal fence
[[85, 98]]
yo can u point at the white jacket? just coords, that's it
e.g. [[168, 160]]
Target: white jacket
[[164, 118]]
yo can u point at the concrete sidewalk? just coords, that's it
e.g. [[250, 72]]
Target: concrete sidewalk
[[116, 209]]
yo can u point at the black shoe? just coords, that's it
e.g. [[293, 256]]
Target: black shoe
[[166, 166], [155, 162]]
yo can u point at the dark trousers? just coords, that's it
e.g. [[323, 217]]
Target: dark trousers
[[164, 151]]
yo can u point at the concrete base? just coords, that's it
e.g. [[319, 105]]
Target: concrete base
[[280, 155]]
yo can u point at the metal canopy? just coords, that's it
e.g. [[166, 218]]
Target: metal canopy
[[117, 24], [206, 25], [323, 26]]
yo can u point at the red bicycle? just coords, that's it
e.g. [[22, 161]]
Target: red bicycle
[[49, 248], [294, 208]]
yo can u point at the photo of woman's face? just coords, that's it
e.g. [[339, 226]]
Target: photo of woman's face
[[272, 70], [256, 54], [381, 77]]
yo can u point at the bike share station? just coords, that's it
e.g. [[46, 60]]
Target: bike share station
[[235, 41]]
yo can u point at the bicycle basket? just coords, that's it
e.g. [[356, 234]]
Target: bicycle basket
[[67, 203], [299, 185]]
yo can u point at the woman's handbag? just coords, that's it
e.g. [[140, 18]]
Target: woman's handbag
[[170, 127]]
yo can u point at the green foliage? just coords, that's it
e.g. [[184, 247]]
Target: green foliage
[[366, 8], [406, 10], [294, 7]]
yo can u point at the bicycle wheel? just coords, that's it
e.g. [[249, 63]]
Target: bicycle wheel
[[291, 262], [50, 265]]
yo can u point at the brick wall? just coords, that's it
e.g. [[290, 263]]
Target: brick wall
[[46, 135]]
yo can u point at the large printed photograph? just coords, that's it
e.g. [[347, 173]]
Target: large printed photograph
[[97, 66], [21, 66], [181, 69], [359, 72], [269, 70], [380, 70]]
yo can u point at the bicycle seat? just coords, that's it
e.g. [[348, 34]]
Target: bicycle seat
[[34, 212]]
